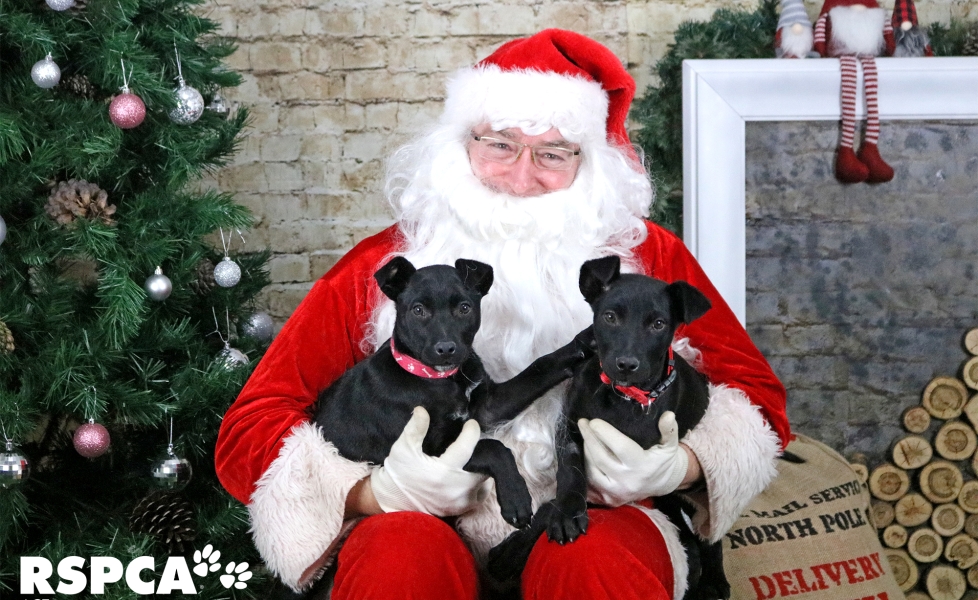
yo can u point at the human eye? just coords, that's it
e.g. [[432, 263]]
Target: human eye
[[553, 158], [500, 145]]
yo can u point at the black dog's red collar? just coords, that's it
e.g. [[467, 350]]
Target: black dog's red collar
[[416, 367], [645, 397]]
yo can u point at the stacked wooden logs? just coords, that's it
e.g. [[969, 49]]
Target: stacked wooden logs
[[925, 502]]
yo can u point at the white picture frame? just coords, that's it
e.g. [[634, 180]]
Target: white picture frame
[[720, 96]]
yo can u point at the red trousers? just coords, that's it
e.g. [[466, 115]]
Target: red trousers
[[413, 556]]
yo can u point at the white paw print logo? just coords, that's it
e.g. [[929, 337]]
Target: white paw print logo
[[236, 576], [207, 561]]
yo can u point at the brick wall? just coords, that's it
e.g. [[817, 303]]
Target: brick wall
[[859, 295], [335, 86]]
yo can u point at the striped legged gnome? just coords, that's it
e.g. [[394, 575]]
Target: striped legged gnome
[[794, 37], [855, 32], [910, 39]]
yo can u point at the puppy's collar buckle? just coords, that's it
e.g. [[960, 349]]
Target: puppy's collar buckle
[[645, 397], [416, 367]]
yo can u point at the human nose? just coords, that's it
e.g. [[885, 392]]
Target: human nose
[[522, 178]]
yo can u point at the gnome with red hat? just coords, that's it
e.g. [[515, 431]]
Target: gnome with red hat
[[910, 39], [530, 170], [856, 31]]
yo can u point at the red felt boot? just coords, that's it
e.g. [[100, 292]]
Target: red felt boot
[[879, 171], [848, 168]]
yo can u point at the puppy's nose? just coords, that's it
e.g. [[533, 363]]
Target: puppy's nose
[[443, 348], [627, 364]]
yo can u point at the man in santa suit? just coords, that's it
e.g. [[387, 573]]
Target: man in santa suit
[[857, 31], [529, 169]]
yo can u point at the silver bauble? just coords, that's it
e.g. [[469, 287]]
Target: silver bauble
[[218, 105], [3, 230], [14, 467], [232, 358], [190, 105], [60, 5], [158, 286], [259, 327], [172, 473], [227, 273], [46, 73]]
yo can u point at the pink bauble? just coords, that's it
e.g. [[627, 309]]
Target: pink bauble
[[127, 110], [91, 440]]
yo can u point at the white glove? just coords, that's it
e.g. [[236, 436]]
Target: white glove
[[620, 471], [412, 480]]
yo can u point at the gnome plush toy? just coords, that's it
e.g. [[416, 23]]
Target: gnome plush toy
[[857, 31], [910, 39], [794, 38]]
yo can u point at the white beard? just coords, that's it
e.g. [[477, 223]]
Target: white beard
[[856, 31], [536, 246], [795, 45]]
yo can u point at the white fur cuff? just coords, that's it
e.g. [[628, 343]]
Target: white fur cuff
[[298, 505], [737, 451]]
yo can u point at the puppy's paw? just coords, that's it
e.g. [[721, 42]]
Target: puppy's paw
[[585, 342], [515, 504], [568, 521]]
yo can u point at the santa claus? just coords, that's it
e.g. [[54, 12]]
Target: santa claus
[[856, 31], [529, 170]]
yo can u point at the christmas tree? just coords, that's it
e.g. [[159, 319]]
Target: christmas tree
[[127, 316]]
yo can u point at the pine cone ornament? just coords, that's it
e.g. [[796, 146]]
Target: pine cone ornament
[[6, 339], [79, 199], [168, 517], [971, 41], [204, 282], [79, 85]]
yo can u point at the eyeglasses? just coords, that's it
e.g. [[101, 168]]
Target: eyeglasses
[[507, 152]]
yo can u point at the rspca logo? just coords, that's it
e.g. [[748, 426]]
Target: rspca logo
[[38, 580]]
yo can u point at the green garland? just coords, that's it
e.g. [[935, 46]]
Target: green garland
[[729, 33]]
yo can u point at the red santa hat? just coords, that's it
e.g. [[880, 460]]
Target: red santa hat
[[555, 78], [904, 10]]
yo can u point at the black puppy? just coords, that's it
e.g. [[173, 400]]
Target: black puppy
[[630, 383], [429, 362]]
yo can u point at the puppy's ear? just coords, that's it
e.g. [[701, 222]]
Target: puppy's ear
[[393, 277], [688, 303], [475, 275], [597, 275]]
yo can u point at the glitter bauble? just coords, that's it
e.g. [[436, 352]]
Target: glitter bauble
[[232, 358], [45, 73], [190, 105], [91, 440], [14, 467], [172, 473], [218, 105], [60, 5], [3, 230], [259, 327], [227, 273], [127, 110], [158, 286]]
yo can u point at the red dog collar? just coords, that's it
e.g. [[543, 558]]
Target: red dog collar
[[645, 397], [416, 367]]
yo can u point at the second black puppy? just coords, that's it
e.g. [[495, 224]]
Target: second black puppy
[[429, 362], [632, 381]]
